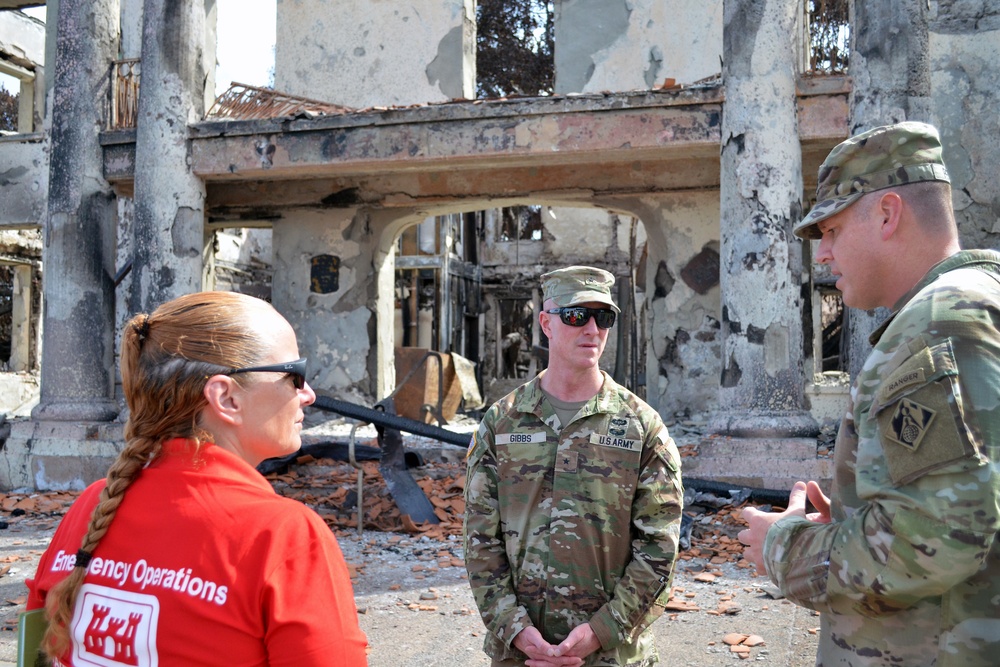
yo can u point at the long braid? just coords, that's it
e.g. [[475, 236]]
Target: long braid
[[166, 358], [61, 599]]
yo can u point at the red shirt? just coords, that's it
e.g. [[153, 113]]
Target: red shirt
[[204, 564]]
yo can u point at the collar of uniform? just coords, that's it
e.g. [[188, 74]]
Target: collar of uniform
[[530, 398], [989, 260]]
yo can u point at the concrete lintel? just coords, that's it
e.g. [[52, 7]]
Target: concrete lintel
[[17, 72], [555, 183], [823, 85], [514, 107], [22, 41], [616, 134], [473, 136], [20, 4]]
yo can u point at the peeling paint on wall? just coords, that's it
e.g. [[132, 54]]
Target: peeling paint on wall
[[446, 70], [373, 53], [583, 30]]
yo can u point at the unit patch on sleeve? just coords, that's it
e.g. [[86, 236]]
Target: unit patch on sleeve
[[920, 433], [910, 423]]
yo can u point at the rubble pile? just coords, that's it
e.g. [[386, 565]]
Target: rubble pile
[[330, 487], [418, 566]]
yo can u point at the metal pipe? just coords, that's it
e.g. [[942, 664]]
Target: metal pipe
[[381, 418]]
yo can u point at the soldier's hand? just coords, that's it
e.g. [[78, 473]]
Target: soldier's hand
[[580, 642], [758, 523], [820, 502], [541, 653]]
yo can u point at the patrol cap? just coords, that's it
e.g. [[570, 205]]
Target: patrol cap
[[578, 284], [884, 157]]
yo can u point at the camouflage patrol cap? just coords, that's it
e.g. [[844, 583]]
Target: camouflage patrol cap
[[578, 284], [880, 158]]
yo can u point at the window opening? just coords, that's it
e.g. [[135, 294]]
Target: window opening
[[6, 309], [517, 317], [831, 330], [514, 48], [520, 223], [829, 36]]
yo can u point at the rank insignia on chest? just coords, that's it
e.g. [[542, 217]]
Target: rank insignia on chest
[[910, 423]]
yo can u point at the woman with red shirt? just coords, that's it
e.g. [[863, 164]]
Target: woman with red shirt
[[184, 554]]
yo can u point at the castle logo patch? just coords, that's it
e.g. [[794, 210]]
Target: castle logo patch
[[113, 627], [910, 423]]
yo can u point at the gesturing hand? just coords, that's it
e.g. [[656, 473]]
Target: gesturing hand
[[758, 523]]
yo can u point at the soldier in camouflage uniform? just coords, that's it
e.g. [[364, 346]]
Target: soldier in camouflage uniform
[[903, 560], [573, 501]]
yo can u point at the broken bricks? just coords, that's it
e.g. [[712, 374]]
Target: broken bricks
[[740, 643]]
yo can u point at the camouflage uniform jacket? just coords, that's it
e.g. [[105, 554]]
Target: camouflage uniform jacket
[[571, 524], [908, 570]]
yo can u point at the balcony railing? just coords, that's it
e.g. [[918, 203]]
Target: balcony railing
[[240, 102], [124, 94]]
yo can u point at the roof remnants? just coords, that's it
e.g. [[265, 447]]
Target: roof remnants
[[245, 102]]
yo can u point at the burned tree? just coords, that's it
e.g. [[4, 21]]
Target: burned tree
[[829, 31], [8, 111], [514, 48]]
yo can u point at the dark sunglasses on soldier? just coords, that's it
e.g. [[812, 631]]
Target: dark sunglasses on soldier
[[296, 369], [578, 316]]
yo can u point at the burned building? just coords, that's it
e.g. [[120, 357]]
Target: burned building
[[680, 143]]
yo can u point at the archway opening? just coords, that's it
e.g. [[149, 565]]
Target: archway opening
[[467, 284]]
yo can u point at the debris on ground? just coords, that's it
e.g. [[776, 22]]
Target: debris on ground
[[426, 554], [331, 488]]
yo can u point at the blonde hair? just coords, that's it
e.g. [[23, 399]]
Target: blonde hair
[[166, 359]]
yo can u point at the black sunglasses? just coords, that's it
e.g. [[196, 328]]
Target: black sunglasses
[[297, 369], [578, 316]]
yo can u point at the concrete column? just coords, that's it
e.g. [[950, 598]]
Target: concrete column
[[890, 85], [77, 353], [762, 387], [681, 297], [322, 284], [964, 48], [169, 199]]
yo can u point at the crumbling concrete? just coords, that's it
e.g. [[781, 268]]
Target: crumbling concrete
[[169, 224], [684, 337], [22, 56], [762, 382]]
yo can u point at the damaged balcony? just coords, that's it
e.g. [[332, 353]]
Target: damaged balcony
[[593, 145]]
